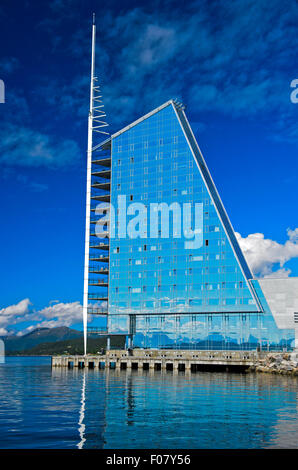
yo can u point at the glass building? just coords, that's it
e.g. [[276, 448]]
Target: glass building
[[165, 267]]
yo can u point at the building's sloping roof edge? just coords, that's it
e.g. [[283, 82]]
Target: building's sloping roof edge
[[134, 123], [154, 111]]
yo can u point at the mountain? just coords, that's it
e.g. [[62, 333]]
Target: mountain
[[60, 340], [38, 336], [71, 346]]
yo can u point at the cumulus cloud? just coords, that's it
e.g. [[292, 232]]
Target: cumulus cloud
[[263, 254], [10, 315], [13, 317], [22, 318]]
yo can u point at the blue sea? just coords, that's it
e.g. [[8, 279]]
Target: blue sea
[[61, 408]]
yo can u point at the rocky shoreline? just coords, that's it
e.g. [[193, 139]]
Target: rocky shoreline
[[277, 363]]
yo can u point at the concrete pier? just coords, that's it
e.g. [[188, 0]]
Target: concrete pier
[[149, 359]]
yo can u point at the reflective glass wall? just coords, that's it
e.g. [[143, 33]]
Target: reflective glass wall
[[152, 163]]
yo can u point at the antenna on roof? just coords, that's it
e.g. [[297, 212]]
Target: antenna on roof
[[179, 105]]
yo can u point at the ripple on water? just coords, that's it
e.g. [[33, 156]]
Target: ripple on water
[[41, 408]]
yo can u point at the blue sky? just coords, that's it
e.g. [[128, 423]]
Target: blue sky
[[230, 62]]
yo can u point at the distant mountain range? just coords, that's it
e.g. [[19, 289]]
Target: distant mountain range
[[60, 340]]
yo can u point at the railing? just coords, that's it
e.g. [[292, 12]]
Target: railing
[[101, 197], [100, 210], [98, 282], [98, 297], [103, 258], [98, 269], [106, 234], [101, 185], [102, 173], [101, 246], [97, 330], [105, 161], [100, 221], [97, 311]]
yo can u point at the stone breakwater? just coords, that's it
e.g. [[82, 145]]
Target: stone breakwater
[[277, 363]]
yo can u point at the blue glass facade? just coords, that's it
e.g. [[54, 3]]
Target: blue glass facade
[[178, 294]]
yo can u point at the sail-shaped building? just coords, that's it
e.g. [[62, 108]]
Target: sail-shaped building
[[163, 264]]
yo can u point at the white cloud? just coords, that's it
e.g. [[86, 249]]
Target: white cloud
[[16, 309], [60, 314], [263, 253]]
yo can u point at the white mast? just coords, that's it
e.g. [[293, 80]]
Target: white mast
[[88, 191], [95, 123]]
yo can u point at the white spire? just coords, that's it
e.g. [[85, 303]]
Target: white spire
[[95, 123]]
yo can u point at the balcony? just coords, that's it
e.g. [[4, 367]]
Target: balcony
[[97, 310], [102, 197], [101, 246], [99, 185], [102, 174], [98, 330], [103, 161], [98, 270], [101, 258], [101, 221], [103, 234], [101, 210], [98, 282], [97, 297]]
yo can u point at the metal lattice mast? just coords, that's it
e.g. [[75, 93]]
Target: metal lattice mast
[[95, 124]]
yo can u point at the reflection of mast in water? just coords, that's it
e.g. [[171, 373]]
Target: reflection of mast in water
[[82, 426], [130, 400]]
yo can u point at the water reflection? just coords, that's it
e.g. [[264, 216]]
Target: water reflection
[[82, 426], [61, 408]]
